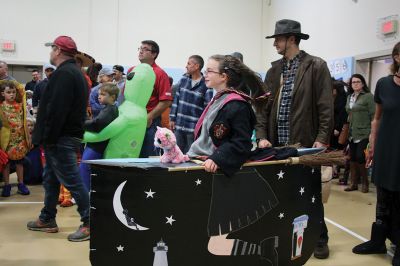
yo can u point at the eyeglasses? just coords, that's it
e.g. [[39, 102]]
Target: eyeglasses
[[211, 71], [144, 49], [356, 82]]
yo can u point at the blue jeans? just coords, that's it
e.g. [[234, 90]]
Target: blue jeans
[[84, 168], [184, 140], [62, 168], [148, 148]]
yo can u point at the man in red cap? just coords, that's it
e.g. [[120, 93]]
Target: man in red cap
[[59, 128]]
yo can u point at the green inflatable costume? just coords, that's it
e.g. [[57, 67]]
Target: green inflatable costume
[[126, 133]]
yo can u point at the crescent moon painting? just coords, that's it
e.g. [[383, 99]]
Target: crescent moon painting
[[122, 214]]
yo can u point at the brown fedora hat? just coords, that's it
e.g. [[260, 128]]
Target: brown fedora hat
[[288, 27]]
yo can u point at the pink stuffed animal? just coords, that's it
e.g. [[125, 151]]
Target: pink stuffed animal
[[165, 139]]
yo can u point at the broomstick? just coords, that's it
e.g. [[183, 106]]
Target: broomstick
[[318, 159]]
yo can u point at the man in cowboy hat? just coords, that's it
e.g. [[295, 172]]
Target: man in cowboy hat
[[300, 108]]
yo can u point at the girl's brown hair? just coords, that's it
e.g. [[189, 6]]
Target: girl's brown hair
[[241, 77], [394, 68]]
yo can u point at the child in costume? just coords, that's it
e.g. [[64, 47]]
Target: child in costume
[[33, 173], [223, 139], [108, 94], [15, 139]]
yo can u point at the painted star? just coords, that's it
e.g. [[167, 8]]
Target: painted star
[[280, 175], [198, 182], [301, 190], [281, 215], [149, 194], [120, 248], [170, 220], [313, 199]]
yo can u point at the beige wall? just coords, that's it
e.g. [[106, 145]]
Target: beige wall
[[111, 31]]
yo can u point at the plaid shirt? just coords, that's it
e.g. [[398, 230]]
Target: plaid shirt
[[289, 70], [189, 103]]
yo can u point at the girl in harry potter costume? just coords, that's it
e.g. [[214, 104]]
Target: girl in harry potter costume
[[223, 140]]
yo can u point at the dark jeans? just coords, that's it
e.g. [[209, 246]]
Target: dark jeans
[[148, 148], [84, 168], [62, 168], [184, 140]]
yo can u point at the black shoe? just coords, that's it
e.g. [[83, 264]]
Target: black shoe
[[369, 247], [377, 243], [321, 251]]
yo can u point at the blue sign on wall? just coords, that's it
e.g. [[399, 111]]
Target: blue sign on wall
[[341, 68]]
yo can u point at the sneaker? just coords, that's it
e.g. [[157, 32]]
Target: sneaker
[[82, 234], [321, 251], [22, 189], [38, 225], [6, 191]]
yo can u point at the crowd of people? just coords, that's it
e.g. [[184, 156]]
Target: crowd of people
[[213, 115]]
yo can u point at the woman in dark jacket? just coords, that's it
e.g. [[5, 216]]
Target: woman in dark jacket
[[340, 119], [340, 114]]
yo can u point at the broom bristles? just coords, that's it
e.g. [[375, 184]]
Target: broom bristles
[[325, 158]]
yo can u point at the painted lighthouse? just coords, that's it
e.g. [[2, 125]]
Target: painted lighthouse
[[160, 254], [299, 225]]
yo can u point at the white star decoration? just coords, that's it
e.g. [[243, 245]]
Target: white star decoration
[[313, 199], [301, 190], [120, 248], [280, 175], [281, 215], [170, 220], [312, 171], [149, 194], [198, 182]]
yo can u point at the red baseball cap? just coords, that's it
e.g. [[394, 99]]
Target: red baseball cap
[[65, 43]]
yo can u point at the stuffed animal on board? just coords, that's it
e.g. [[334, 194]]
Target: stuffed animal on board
[[166, 140]]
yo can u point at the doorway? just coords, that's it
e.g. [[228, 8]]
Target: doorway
[[23, 73], [374, 66]]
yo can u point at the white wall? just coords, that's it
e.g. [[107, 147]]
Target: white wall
[[337, 28], [111, 31]]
